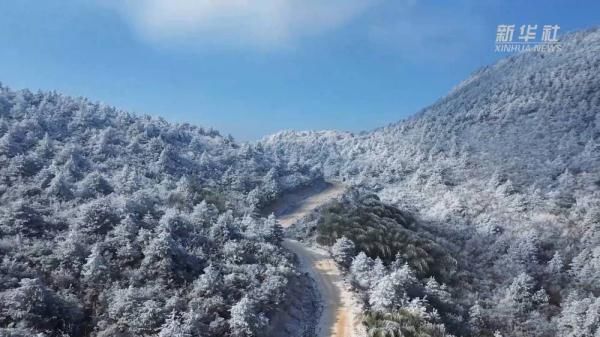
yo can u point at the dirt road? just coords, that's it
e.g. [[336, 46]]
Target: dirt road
[[337, 318]]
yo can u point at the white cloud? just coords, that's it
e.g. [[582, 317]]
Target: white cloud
[[255, 23]]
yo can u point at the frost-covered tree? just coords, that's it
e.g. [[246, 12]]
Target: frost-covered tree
[[26, 219], [379, 270], [60, 187], [384, 295], [437, 292], [173, 327], [476, 318], [580, 317], [269, 230], [209, 282], [95, 270], [393, 290], [555, 265], [343, 251], [37, 307], [95, 184], [520, 298], [115, 217], [360, 270], [245, 320], [585, 268]]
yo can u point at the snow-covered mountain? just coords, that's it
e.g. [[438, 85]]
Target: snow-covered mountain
[[117, 225], [506, 171], [529, 123]]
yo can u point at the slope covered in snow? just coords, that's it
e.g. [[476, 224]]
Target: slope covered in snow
[[529, 123], [117, 225], [505, 170]]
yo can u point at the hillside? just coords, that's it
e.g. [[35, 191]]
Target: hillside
[[118, 225], [528, 124], [506, 171]]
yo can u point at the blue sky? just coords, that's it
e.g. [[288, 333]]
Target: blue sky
[[251, 68]]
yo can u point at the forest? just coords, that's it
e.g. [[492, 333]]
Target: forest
[[117, 225], [501, 175], [478, 216]]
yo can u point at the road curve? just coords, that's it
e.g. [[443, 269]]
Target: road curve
[[337, 317]]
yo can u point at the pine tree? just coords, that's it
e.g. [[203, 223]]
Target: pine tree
[[518, 298], [476, 318], [209, 282], [343, 251], [60, 187], [95, 269], [27, 220], [173, 327], [245, 320], [384, 294], [555, 265], [360, 270], [437, 292], [379, 270]]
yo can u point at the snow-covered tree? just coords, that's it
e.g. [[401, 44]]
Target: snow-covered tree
[[343, 251], [245, 320], [173, 327], [580, 317], [95, 270], [476, 318], [360, 270]]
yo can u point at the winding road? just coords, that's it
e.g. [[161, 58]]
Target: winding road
[[337, 317]]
